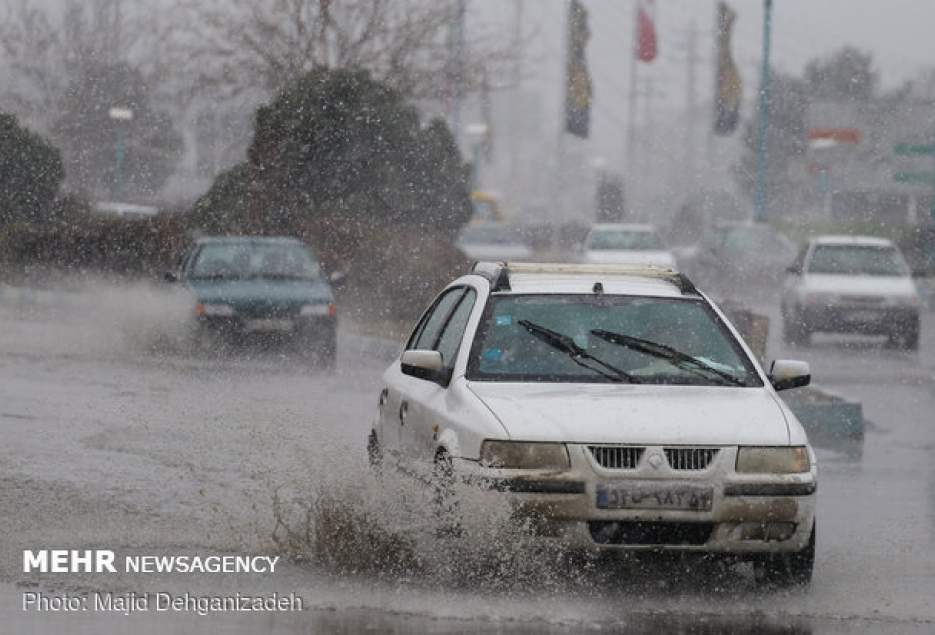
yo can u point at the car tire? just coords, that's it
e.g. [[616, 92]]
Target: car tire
[[787, 569], [374, 452], [910, 335]]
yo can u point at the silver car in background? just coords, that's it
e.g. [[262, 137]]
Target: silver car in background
[[851, 284]]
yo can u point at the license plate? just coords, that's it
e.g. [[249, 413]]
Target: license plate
[[685, 496], [268, 325], [863, 316]]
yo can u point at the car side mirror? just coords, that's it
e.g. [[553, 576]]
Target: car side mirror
[[423, 364], [787, 373], [168, 276], [793, 270], [337, 278]]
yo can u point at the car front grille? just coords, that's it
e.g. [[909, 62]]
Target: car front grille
[[650, 532], [690, 458], [616, 457]]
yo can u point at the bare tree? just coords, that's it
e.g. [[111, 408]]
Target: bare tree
[[43, 47], [66, 64], [245, 45]]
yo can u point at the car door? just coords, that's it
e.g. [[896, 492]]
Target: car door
[[430, 412], [398, 388]]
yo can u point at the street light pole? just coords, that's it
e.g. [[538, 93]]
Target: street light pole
[[763, 119]]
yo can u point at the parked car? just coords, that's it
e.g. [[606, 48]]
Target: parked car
[[493, 241], [618, 403], [626, 243], [247, 286], [851, 284]]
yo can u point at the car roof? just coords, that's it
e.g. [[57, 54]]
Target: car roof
[[874, 241], [276, 240], [632, 227], [532, 277]]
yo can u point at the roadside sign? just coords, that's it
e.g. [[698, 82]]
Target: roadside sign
[[914, 177], [915, 149]]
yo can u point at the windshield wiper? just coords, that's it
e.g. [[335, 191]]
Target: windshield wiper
[[216, 276], [578, 355], [662, 351], [282, 276]]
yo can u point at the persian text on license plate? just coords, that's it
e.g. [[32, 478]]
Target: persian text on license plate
[[684, 496], [269, 325]]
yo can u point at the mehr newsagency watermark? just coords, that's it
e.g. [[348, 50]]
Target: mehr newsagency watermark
[[104, 561]]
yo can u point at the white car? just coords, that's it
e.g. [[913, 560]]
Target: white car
[[616, 402], [626, 243], [851, 284]]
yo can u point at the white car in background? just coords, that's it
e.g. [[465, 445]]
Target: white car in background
[[614, 404], [626, 243], [493, 241], [851, 284]]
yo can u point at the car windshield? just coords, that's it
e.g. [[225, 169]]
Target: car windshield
[[624, 239], [857, 260], [641, 339], [254, 260]]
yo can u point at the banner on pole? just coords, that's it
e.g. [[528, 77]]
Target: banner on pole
[[729, 88], [646, 41], [578, 90]]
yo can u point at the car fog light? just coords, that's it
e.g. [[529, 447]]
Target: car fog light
[[523, 455], [779, 460], [771, 531]]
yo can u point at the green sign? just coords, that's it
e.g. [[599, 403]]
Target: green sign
[[914, 177], [915, 149]]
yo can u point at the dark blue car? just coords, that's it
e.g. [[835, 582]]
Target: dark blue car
[[250, 287]]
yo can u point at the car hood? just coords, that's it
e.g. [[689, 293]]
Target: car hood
[[241, 293], [630, 257], [860, 285], [650, 415]]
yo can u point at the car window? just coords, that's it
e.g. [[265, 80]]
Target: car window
[[504, 349], [254, 260], [852, 260], [451, 336], [428, 331]]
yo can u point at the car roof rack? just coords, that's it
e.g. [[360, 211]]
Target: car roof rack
[[498, 273]]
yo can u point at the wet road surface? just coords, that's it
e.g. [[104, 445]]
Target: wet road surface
[[116, 438]]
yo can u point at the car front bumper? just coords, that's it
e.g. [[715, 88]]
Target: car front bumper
[[748, 513], [860, 319]]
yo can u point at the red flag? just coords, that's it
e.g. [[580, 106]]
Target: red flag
[[645, 35]]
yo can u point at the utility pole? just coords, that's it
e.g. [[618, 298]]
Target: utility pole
[[646, 144], [763, 119], [631, 109], [690, 94], [516, 140], [457, 66]]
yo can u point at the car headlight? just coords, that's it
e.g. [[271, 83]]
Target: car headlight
[[524, 455], [781, 460], [320, 310], [214, 310]]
